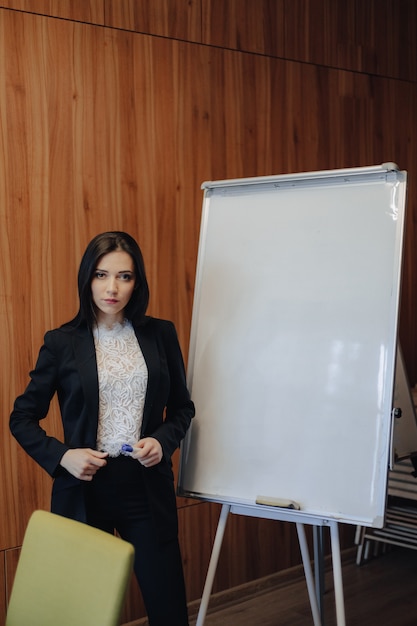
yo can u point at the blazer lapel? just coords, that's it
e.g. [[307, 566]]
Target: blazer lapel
[[149, 347], [85, 357]]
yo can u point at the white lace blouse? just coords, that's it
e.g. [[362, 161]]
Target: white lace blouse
[[122, 379]]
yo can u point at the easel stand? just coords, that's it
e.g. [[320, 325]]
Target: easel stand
[[300, 521], [400, 526]]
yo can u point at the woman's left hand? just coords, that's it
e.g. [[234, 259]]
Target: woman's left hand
[[147, 451]]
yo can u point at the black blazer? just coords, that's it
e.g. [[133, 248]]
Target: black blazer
[[67, 365]]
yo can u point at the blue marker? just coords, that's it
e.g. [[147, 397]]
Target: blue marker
[[127, 448]]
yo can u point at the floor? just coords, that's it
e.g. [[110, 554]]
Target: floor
[[380, 592]]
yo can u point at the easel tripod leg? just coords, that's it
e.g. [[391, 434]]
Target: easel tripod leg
[[318, 544], [208, 585], [308, 573], [337, 574]]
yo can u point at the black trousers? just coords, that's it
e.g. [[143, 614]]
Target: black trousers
[[116, 499]]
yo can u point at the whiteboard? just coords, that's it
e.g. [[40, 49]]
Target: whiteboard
[[293, 342]]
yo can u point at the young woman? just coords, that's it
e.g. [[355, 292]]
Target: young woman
[[120, 380]]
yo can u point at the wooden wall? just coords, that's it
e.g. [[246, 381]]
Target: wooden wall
[[112, 114]]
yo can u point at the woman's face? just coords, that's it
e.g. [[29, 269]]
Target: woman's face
[[112, 286]]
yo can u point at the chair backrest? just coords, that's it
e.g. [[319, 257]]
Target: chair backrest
[[69, 574]]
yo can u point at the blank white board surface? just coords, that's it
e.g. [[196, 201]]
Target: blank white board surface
[[293, 341]]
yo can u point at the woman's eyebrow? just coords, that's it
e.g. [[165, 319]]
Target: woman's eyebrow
[[98, 269]]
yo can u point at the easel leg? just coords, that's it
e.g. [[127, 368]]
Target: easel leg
[[308, 574], [360, 542], [208, 585], [337, 574], [318, 543]]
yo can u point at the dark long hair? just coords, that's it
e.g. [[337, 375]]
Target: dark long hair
[[99, 246]]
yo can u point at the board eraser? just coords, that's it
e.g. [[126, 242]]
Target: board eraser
[[281, 502]]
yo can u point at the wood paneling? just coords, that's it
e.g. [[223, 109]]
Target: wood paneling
[[11, 558], [369, 37], [91, 11], [2, 587], [175, 19], [245, 25], [106, 128], [375, 37]]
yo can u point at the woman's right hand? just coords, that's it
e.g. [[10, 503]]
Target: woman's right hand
[[83, 463]]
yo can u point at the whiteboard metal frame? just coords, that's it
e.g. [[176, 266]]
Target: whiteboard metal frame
[[318, 175]]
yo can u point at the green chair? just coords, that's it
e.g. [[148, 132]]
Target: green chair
[[69, 574]]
